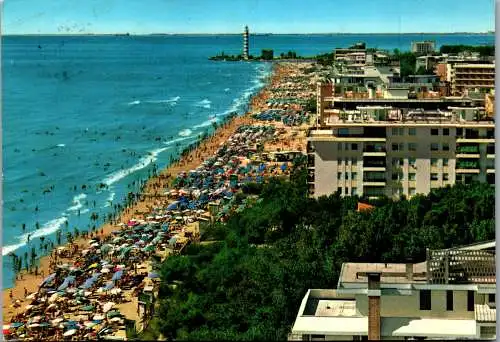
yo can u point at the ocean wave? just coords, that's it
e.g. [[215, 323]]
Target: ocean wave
[[77, 202], [205, 103], [227, 89], [109, 200], [185, 132], [172, 101], [61, 145], [206, 123], [143, 162], [48, 228], [176, 140]]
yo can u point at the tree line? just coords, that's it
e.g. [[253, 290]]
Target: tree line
[[248, 284]]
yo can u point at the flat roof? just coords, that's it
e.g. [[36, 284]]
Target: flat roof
[[311, 325], [353, 272], [330, 307], [430, 327]]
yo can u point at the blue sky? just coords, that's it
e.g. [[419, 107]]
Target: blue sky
[[263, 16]]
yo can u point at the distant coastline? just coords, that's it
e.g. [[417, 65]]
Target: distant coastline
[[253, 34]]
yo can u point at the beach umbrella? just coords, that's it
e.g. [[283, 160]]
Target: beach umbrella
[[32, 296], [57, 321], [115, 291], [105, 270], [109, 286], [16, 325], [34, 325], [48, 279], [112, 314], [87, 308], [6, 329], [89, 324], [153, 275], [94, 265], [70, 332], [106, 307], [98, 317], [117, 275]]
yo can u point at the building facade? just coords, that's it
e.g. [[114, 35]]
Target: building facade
[[476, 77], [451, 295], [424, 47], [398, 146]]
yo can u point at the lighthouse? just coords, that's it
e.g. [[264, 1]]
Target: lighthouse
[[245, 43]]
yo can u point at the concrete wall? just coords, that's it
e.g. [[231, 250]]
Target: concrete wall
[[409, 306]]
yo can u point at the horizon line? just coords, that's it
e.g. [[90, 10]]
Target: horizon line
[[239, 33]]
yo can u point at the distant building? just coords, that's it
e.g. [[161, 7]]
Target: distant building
[[424, 47], [245, 43], [451, 295]]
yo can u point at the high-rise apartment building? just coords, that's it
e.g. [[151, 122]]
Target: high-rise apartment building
[[397, 146], [423, 47], [475, 77]]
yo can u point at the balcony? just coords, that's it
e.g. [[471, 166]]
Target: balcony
[[467, 164], [374, 151], [468, 149]]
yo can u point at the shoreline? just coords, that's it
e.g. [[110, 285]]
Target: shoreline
[[152, 192]]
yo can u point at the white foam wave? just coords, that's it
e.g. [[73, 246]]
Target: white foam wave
[[84, 211], [185, 132], [77, 202], [143, 162], [227, 89], [205, 103], [61, 145], [110, 199], [134, 103], [173, 100], [48, 228], [206, 123], [176, 140]]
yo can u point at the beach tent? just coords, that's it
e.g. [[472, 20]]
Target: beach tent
[[153, 275]]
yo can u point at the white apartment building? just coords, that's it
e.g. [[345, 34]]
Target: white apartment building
[[451, 295], [424, 47], [398, 146]]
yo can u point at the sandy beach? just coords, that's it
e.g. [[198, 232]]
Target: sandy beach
[[291, 139]]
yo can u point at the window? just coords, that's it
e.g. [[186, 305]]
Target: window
[[412, 191], [425, 299], [445, 161], [412, 162], [449, 300], [401, 131], [354, 147], [346, 147], [346, 191], [460, 132], [412, 147], [339, 161], [395, 176], [470, 300], [354, 191], [343, 132], [395, 131], [434, 162], [434, 147], [446, 131], [354, 176], [339, 190], [395, 147], [346, 176], [412, 131], [434, 131], [354, 161], [434, 177], [412, 176], [339, 175], [339, 146], [401, 147], [445, 176], [491, 298], [446, 147]]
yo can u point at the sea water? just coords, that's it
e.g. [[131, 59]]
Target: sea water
[[83, 110]]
